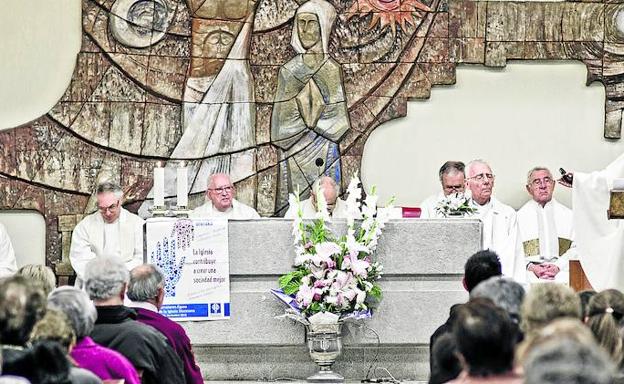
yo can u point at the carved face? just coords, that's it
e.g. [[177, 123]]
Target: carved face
[[109, 206], [309, 30], [453, 183], [480, 181], [221, 192], [541, 186]]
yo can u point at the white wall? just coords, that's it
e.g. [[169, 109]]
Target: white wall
[[39, 40], [27, 231], [524, 115]]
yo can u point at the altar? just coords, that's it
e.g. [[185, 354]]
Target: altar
[[423, 265]]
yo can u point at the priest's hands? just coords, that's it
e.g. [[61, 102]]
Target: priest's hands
[[544, 271]]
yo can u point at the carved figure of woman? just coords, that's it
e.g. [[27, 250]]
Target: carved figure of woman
[[310, 110]]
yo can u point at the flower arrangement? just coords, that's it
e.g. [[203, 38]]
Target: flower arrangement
[[455, 204], [335, 274]]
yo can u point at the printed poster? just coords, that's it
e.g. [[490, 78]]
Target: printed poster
[[193, 256]]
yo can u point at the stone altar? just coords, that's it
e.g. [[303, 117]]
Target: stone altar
[[423, 262]]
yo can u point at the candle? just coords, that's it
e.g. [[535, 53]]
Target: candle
[[159, 186], [182, 186]]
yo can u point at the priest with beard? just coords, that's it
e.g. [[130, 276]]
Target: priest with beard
[[500, 224], [545, 229]]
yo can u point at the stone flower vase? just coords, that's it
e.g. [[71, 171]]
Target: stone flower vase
[[325, 345]]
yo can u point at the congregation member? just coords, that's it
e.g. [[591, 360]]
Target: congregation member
[[55, 327], [605, 314], [221, 201], [479, 267], [106, 279], [565, 361], [22, 305], [39, 274], [8, 264], [545, 229], [111, 231], [106, 363], [336, 207], [486, 339], [546, 302], [505, 293], [147, 292], [500, 224], [452, 178]]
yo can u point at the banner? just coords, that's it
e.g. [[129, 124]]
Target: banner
[[193, 256]]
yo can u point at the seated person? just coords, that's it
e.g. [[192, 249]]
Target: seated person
[[336, 207], [452, 178], [221, 201], [545, 229]]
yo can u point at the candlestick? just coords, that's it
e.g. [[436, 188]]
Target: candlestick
[[182, 186], [159, 186]]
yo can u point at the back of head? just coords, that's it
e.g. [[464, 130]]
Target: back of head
[[566, 361], [505, 293], [105, 278], [77, 306], [21, 305], [43, 363], [585, 296], [39, 274], [144, 283], [605, 314], [485, 337], [54, 326], [481, 266], [546, 302], [445, 364]]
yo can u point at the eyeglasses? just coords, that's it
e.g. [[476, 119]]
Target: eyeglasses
[[544, 181], [110, 208], [220, 190], [482, 176], [454, 187]]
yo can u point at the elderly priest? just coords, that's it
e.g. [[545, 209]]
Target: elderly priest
[[221, 201], [337, 208], [500, 224], [545, 229], [111, 231], [452, 178]]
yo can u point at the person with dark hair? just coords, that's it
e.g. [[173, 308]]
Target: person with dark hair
[[452, 179], [480, 267], [605, 318], [486, 338], [106, 279], [21, 305], [585, 296], [445, 364], [147, 292]]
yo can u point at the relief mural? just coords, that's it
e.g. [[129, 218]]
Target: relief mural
[[274, 92]]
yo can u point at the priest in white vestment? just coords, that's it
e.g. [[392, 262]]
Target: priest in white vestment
[[452, 178], [221, 202], [500, 224], [337, 208], [111, 231], [8, 265], [545, 230], [599, 241]]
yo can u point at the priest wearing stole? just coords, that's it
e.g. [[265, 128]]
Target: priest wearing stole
[[111, 231], [500, 224], [599, 241], [545, 229]]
